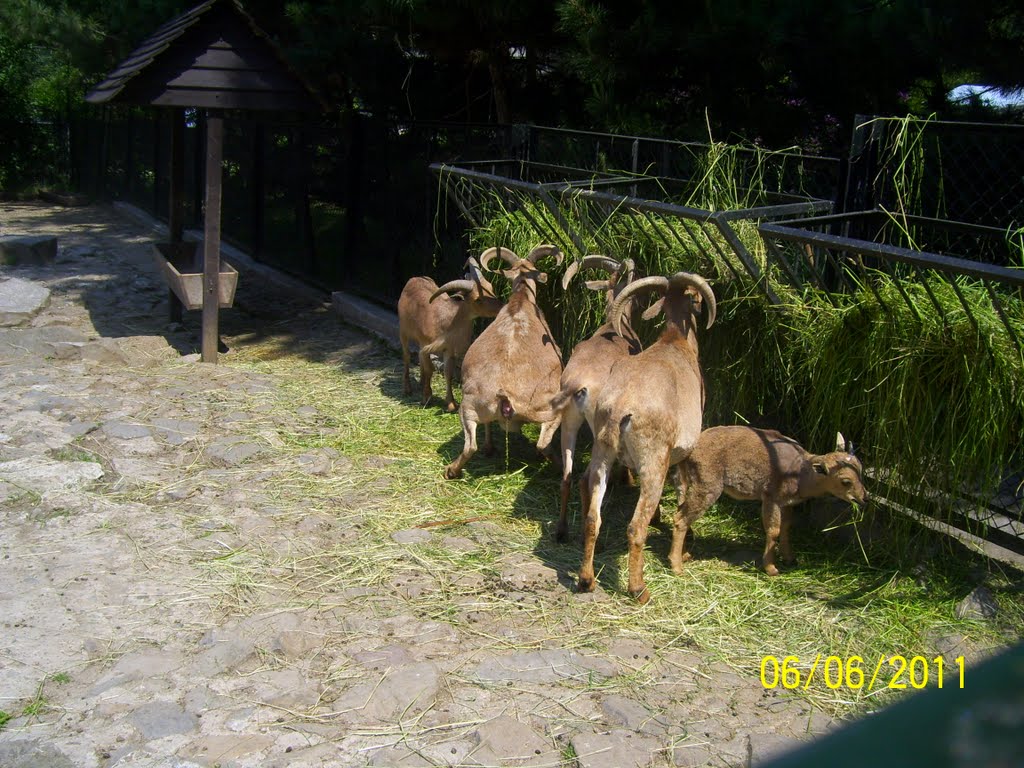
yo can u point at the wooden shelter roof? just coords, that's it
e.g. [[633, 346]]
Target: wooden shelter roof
[[215, 57]]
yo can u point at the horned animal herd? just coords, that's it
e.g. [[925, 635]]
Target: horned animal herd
[[644, 406]]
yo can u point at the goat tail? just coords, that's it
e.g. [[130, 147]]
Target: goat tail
[[559, 401], [547, 431]]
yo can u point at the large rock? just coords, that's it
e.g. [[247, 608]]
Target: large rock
[[980, 604], [27, 249], [21, 300], [38, 474]]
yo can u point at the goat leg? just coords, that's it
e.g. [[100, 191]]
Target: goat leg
[[652, 480], [406, 379], [449, 373], [785, 548], [682, 520], [454, 470], [426, 374], [570, 428], [771, 517], [597, 482]]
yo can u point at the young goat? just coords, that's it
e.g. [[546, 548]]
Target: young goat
[[755, 464], [588, 368], [440, 321], [648, 414], [510, 373]]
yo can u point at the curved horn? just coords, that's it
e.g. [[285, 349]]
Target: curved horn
[[546, 250], [623, 276], [595, 261], [569, 274], [473, 267], [507, 255], [643, 285], [703, 288], [464, 286], [590, 261]]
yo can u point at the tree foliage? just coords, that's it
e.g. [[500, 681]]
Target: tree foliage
[[780, 72]]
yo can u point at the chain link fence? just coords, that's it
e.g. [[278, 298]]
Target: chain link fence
[[969, 172]]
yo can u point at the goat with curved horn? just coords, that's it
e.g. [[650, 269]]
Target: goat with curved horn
[[439, 320], [510, 373], [588, 368], [651, 428]]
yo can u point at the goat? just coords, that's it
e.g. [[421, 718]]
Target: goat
[[510, 373], [588, 368], [755, 464], [440, 321], [648, 415]]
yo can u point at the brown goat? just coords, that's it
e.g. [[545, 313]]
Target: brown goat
[[755, 464], [588, 367], [649, 414], [510, 373], [440, 321]]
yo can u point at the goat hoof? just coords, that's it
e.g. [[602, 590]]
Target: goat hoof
[[771, 570], [585, 585], [451, 407], [561, 535], [677, 567], [643, 596], [452, 474]]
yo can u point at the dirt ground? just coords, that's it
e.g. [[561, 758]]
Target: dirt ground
[[131, 478]]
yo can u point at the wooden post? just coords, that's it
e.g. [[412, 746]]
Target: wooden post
[[176, 205], [211, 237]]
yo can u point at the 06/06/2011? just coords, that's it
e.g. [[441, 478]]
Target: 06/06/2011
[[837, 672]]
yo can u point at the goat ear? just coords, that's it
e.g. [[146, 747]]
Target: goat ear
[[820, 467], [653, 310], [510, 274], [542, 277]]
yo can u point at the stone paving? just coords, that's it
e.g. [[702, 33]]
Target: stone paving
[[113, 654]]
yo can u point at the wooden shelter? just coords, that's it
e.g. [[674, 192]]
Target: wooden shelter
[[212, 58]]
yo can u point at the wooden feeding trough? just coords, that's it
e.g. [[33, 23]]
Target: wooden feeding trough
[[212, 58], [178, 262]]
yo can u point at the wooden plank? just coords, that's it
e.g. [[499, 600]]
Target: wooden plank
[[211, 238], [233, 100], [213, 58], [232, 80]]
